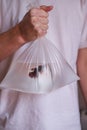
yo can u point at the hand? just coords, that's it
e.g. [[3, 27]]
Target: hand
[[34, 23]]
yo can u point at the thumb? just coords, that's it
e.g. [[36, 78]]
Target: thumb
[[46, 8]]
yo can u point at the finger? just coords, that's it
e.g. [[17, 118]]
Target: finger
[[41, 26], [44, 27], [38, 12], [42, 20], [41, 29], [41, 32], [46, 8]]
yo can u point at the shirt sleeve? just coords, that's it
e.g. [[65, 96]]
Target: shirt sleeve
[[83, 40]]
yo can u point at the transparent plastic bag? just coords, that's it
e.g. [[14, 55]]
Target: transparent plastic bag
[[39, 69]]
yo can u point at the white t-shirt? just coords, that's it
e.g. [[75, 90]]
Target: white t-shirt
[[59, 109]]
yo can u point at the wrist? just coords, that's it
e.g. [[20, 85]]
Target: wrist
[[17, 36]]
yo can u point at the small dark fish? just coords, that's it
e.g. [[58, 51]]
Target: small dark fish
[[35, 71]]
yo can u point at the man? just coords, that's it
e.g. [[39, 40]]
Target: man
[[59, 109]]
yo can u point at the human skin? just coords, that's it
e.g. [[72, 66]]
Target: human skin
[[33, 25], [82, 71]]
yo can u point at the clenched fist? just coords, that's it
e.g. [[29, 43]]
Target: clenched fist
[[34, 23]]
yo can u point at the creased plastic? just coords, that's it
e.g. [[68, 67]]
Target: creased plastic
[[39, 68]]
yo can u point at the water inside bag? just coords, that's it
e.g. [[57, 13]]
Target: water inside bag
[[40, 68]]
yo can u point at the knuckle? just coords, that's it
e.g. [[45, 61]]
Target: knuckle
[[32, 11]]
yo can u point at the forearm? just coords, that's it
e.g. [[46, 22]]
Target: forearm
[[10, 41], [82, 71], [83, 82], [33, 25]]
